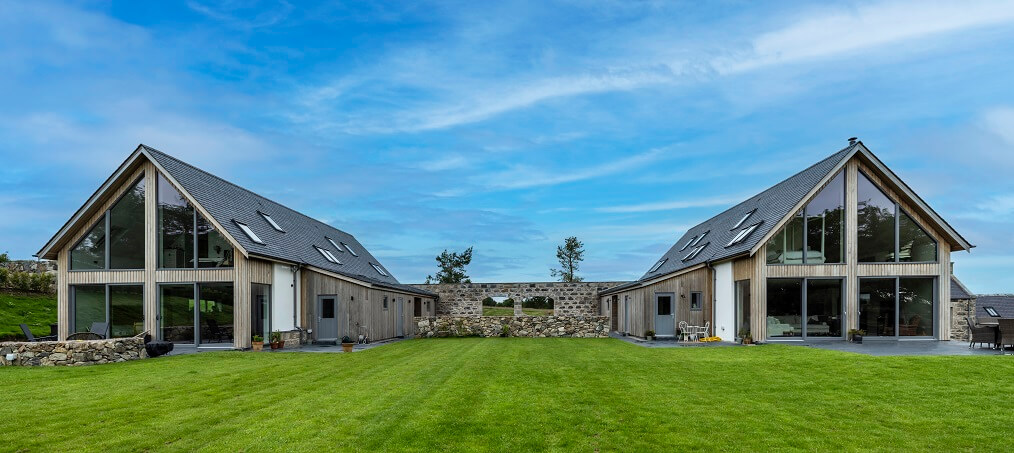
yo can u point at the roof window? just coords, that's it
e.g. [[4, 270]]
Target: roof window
[[696, 251], [249, 233], [327, 255], [272, 222], [353, 252], [335, 244], [742, 235], [743, 220], [699, 238], [379, 270], [691, 241], [658, 265], [991, 312]]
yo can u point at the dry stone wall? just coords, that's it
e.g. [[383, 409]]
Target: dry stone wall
[[72, 353], [961, 309], [465, 299], [513, 326]]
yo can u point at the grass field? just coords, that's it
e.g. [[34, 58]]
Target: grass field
[[36, 310], [515, 395], [509, 311]]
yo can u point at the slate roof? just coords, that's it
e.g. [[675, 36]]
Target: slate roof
[[958, 290], [1004, 305], [769, 207], [228, 203]]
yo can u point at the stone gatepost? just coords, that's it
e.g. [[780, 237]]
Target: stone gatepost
[[517, 306]]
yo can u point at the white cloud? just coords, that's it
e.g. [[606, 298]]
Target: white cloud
[[525, 176], [1000, 121], [673, 204]]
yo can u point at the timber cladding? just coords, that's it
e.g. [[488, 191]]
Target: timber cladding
[[639, 314], [465, 299]]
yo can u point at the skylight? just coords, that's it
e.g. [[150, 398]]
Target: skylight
[[381, 271], [658, 265], [699, 238], [991, 312], [335, 244], [743, 220], [689, 243], [249, 233], [693, 254], [742, 235], [353, 252], [327, 255], [272, 222]]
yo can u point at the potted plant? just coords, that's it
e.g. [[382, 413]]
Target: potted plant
[[856, 335], [745, 337], [347, 344], [649, 335], [276, 340], [258, 343]]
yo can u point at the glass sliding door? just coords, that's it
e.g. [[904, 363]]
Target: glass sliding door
[[126, 310], [915, 307], [215, 313], [89, 306], [176, 313], [260, 298], [877, 302], [742, 308], [823, 308], [785, 309]]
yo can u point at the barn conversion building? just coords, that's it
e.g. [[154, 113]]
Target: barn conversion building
[[844, 244], [166, 248]]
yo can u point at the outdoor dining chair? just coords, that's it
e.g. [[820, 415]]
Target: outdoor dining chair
[[684, 331], [32, 338], [703, 331], [100, 328], [980, 334], [1006, 333]]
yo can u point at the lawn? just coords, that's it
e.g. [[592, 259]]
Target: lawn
[[36, 310], [509, 311], [515, 395]]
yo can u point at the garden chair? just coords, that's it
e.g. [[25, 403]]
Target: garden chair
[[703, 331], [1006, 333], [100, 328], [980, 334], [684, 331], [32, 338], [215, 331]]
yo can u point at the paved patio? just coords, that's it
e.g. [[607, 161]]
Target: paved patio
[[904, 348]]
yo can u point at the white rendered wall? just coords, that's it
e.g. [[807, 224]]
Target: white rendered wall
[[725, 303], [282, 298]]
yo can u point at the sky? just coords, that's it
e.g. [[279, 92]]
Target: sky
[[509, 126]]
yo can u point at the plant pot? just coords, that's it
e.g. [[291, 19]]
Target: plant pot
[[347, 347], [858, 339], [747, 340], [258, 345], [275, 345], [649, 338]]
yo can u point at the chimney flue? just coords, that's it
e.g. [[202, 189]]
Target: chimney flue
[[852, 140]]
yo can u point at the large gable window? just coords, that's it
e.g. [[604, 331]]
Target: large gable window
[[116, 241], [886, 233], [815, 234], [186, 239]]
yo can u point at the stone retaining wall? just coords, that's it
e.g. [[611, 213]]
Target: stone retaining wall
[[73, 353], [961, 309], [465, 299], [516, 326]]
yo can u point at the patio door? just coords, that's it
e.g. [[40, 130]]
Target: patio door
[[626, 315], [401, 317], [327, 319], [665, 315]]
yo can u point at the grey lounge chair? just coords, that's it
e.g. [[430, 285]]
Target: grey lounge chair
[[979, 334], [32, 338], [100, 328], [1006, 333]]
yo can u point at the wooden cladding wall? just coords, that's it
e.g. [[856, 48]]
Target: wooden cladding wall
[[261, 271], [358, 306], [641, 308]]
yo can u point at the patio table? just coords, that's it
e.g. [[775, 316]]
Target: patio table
[[995, 325]]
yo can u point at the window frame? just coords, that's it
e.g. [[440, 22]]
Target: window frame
[[898, 210], [271, 221], [897, 306], [743, 234], [658, 265], [335, 244], [743, 219], [805, 229], [379, 270], [700, 300], [991, 312], [696, 251], [353, 252], [72, 305], [246, 230], [385, 303], [804, 314], [105, 221]]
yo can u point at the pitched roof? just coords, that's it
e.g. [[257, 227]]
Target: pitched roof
[[768, 208], [228, 203], [1004, 305], [959, 291]]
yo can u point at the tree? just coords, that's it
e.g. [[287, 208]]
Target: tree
[[452, 267], [570, 254], [4, 258]]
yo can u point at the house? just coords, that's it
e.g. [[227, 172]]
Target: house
[[167, 248], [844, 244]]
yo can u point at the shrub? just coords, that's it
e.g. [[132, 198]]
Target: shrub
[[4, 276], [488, 302], [20, 281], [42, 283], [540, 302]]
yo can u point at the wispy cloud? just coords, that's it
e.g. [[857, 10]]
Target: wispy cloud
[[1000, 121], [526, 176], [674, 204]]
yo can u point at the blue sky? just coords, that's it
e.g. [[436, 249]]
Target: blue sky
[[508, 126]]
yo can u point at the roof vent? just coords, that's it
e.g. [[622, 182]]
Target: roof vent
[[852, 140]]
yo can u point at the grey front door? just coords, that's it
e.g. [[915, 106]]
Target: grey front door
[[401, 317], [665, 315], [327, 319], [626, 315]]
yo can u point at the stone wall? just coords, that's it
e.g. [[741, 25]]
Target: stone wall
[[31, 266], [960, 310], [513, 326], [465, 299], [73, 353]]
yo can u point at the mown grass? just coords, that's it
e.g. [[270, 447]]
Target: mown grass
[[515, 395], [509, 311], [38, 311]]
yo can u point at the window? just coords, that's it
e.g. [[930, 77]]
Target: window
[[272, 222], [353, 252], [696, 300], [336, 246], [121, 307], [696, 251], [699, 238], [658, 265], [249, 233], [197, 313], [991, 312], [327, 255], [888, 234], [379, 270], [260, 297], [186, 239], [116, 241], [815, 234], [691, 241], [385, 302], [743, 219], [897, 306], [742, 235]]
